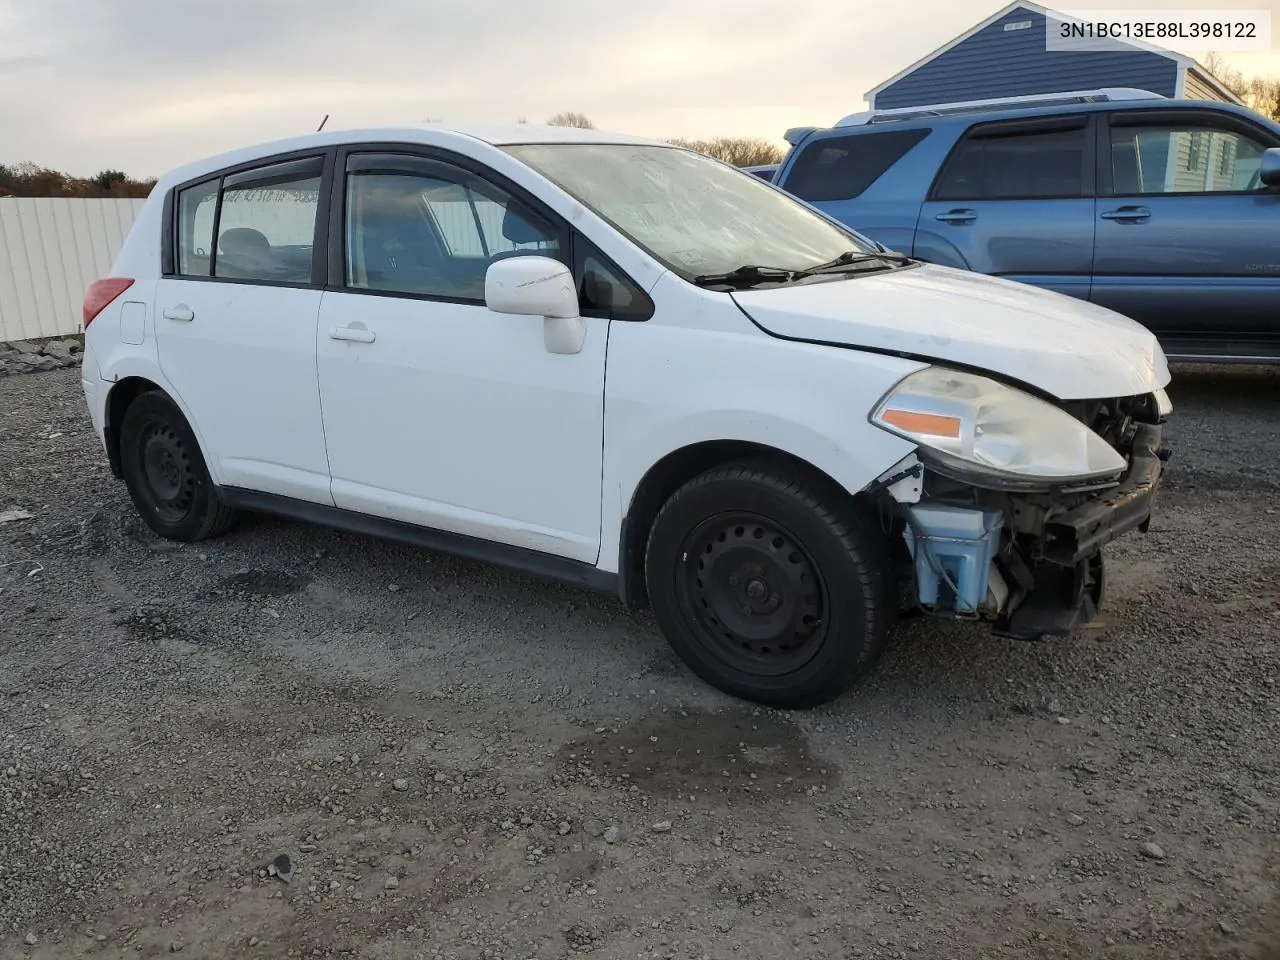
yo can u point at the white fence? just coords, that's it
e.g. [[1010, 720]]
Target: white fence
[[51, 249]]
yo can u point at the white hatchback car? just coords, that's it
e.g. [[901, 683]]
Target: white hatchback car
[[618, 363]]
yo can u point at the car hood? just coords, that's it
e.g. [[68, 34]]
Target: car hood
[[1065, 347]]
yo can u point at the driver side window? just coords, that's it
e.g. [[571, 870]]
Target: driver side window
[[430, 232], [1183, 158]]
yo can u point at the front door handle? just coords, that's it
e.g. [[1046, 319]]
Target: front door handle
[[1128, 214], [957, 216], [180, 312], [356, 332]]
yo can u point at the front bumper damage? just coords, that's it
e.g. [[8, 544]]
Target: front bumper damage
[[1030, 564]]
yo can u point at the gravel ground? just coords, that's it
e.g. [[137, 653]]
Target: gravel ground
[[459, 762]]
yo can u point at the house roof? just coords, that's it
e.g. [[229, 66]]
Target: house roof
[[1184, 62]]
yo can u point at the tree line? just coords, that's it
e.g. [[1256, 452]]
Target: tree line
[[1259, 93], [27, 179], [739, 151]]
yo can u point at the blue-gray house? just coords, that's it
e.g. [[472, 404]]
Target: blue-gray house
[[1005, 56]]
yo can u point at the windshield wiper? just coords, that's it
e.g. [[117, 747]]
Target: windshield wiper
[[850, 258], [747, 275]]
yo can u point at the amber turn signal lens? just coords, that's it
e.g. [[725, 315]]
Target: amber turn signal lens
[[930, 424]]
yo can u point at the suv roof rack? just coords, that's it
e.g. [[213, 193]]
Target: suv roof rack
[[1100, 95]]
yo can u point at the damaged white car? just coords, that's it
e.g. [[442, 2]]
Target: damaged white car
[[621, 364]]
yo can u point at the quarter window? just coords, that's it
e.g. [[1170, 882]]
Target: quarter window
[[604, 290], [434, 235], [1183, 158], [1036, 164], [840, 168], [196, 207]]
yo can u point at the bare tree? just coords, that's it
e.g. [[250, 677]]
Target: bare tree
[[1260, 93], [571, 118], [739, 151]]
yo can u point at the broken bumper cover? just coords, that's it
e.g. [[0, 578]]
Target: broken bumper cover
[[1080, 532]]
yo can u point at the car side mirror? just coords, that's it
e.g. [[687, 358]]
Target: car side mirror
[[538, 287], [1269, 171]]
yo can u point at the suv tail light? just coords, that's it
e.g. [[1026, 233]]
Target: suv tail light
[[100, 295]]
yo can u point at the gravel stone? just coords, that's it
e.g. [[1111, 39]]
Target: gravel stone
[[1152, 851]]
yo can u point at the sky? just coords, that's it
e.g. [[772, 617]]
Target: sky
[[145, 85]]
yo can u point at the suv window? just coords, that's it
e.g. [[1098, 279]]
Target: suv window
[[267, 223], [840, 168], [1034, 164], [434, 235], [1183, 158]]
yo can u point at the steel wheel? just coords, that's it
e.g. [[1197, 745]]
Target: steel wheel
[[166, 471], [770, 584], [755, 592], [161, 464]]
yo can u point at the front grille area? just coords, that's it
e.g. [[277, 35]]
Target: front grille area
[[1115, 420]]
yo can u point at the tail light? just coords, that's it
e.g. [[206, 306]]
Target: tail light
[[100, 295]]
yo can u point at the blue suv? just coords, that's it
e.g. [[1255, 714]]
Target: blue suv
[[1167, 211]]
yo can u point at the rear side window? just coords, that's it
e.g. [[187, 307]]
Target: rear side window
[[267, 226], [258, 224], [839, 168], [1015, 165]]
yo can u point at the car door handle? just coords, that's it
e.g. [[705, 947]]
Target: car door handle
[[1128, 214], [180, 312], [357, 332], [957, 216]]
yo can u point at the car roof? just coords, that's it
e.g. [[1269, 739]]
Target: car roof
[[968, 118], [428, 134]]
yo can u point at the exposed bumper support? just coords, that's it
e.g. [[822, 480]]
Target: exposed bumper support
[[1077, 534]]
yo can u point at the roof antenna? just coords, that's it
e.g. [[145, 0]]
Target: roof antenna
[[322, 123]]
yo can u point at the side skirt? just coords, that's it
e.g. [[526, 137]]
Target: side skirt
[[533, 562]]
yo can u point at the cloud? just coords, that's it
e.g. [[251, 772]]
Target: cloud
[[144, 85]]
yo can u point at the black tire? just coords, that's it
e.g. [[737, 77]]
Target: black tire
[[770, 586], [166, 473]]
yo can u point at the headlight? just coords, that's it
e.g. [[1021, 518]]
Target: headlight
[[984, 431]]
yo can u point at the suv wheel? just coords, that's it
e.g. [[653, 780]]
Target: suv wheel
[[165, 473], [768, 586]]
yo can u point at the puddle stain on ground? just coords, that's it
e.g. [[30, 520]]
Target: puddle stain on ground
[[740, 753], [259, 583]]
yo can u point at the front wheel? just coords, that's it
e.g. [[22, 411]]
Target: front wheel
[[770, 587]]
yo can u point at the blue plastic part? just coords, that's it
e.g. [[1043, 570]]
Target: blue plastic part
[[956, 544]]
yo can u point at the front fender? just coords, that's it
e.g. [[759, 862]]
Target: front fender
[[805, 400]]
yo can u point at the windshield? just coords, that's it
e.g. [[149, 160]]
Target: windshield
[[697, 216]]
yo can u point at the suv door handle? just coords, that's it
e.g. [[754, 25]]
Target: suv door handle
[[957, 216], [180, 312], [1128, 214], [357, 332]]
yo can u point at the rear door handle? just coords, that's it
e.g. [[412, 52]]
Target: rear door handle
[[180, 312], [1128, 214], [357, 332], [957, 216]]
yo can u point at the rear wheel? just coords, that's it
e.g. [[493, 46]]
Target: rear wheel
[[770, 587], [166, 474]]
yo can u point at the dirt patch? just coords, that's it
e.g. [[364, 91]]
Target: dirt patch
[[737, 755]]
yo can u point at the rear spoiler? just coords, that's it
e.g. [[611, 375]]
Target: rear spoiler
[[796, 134]]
